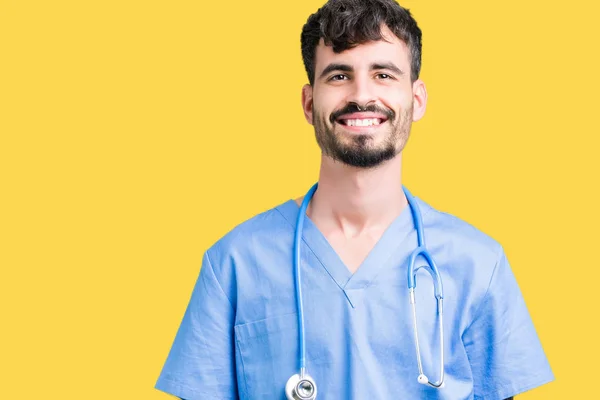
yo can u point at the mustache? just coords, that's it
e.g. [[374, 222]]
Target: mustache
[[353, 108]]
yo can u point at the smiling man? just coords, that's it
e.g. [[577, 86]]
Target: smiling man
[[363, 100], [316, 297]]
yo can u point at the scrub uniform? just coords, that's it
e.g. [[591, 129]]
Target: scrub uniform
[[239, 335]]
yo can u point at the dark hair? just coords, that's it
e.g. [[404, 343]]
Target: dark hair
[[348, 23]]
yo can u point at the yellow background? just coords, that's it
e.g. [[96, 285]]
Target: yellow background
[[134, 134]]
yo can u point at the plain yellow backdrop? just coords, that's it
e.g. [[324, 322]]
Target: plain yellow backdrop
[[134, 134]]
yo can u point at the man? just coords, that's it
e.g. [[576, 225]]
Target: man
[[239, 337]]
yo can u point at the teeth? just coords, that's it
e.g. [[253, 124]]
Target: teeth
[[363, 122]]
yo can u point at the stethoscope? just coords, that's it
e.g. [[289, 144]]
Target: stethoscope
[[302, 386]]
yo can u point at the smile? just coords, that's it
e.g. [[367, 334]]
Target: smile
[[361, 122]]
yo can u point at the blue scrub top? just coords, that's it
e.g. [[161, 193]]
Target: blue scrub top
[[239, 336]]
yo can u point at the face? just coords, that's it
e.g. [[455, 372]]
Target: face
[[362, 103]]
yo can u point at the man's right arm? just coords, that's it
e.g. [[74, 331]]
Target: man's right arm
[[201, 362]]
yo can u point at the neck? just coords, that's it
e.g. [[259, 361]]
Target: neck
[[354, 199]]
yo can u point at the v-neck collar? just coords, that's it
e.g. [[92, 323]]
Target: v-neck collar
[[387, 245]]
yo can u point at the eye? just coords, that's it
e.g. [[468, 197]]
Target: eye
[[338, 77], [385, 76]]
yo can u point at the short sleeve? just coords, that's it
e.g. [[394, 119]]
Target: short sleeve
[[201, 362], [502, 345]]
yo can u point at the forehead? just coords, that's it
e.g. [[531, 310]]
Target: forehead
[[389, 49]]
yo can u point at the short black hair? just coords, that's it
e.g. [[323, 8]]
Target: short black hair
[[344, 24]]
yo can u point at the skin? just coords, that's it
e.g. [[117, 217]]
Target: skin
[[353, 205]]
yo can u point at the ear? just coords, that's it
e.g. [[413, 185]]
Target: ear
[[419, 99], [307, 103]]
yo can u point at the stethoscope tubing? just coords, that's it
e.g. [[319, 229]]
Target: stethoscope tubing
[[299, 306], [421, 250]]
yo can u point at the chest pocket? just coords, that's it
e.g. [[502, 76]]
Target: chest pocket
[[267, 355]]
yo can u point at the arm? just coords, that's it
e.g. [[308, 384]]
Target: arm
[[201, 362], [502, 345]]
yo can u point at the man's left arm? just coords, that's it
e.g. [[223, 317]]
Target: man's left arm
[[503, 347]]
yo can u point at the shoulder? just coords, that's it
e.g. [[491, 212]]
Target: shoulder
[[453, 232], [466, 254], [260, 231]]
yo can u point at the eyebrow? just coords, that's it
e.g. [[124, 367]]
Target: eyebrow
[[336, 67], [387, 65], [348, 68]]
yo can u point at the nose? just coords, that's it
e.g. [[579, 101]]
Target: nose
[[362, 91]]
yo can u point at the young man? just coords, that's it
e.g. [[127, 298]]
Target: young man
[[240, 335]]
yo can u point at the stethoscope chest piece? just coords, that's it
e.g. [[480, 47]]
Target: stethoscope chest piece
[[298, 388]]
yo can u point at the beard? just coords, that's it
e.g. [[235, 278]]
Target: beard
[[360, 150]]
